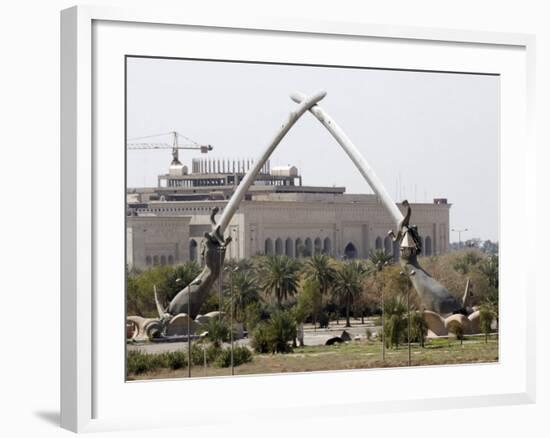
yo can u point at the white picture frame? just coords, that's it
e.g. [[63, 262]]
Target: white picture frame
[[88, 395]]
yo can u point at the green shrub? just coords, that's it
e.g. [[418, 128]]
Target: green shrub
[[218, 331], [394, 330], [140, 363], [261, 338], [419, 328], [253, 316], [197, 354], [212, 353], [485, 320], [275, 335], [283, 327], [241, 355], [175, 359]]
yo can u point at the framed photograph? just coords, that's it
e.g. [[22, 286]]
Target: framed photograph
[[258, 207]]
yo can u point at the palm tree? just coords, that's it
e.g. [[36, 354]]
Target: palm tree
[[245, 264], [395, 310], [183, 275], [245, 292], [320, 269], [349, 284], [279, 275], [379, 259]]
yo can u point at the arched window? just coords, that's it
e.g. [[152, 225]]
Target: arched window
[[308, 248], [155, 260], [279, 246], [327, 246], [428, 246], [162, 260], [350, 252], [317, 245], [148, 260], [193, 250], [268, 247], [378, 243], [288, 247], [388, 250], [170, 259], [299, 248]]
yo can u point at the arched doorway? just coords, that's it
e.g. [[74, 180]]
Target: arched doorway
[[268, 247], [428, 246], [317, 245], [350, 252], [193, 250], [299, 248], [308, 248], [288, 247], [279, 246], [378, 243], [327, 246]]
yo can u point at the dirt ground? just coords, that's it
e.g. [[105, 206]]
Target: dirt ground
[[350, 356]]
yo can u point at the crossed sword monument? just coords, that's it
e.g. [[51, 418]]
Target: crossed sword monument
[[441, 308]]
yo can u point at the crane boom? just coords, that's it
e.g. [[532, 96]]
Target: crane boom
[[175, 146], [140, 146]]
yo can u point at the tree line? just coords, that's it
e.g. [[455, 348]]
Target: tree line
[[319, 290]]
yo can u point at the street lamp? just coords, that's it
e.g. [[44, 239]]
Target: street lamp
[[459, 231], [409, 313], [409, 319], [196, 282], [379, 267], [221, 251], [232, 271]]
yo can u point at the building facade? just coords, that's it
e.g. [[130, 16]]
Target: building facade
[[278, 216]]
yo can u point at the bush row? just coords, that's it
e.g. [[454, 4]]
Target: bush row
[[140, 363]]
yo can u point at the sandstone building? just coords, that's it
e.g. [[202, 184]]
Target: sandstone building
[[279, 215]]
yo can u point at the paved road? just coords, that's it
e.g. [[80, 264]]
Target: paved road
[[311, 337]]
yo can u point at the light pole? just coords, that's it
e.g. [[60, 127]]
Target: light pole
[[409, 321], [232, 271], [408, 313], [221, 251], [197, 282], [379, 267], [459, 231], [231, 323]]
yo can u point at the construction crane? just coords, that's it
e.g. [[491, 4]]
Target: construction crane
[[175, 145]]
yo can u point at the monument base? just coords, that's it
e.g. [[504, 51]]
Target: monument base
[[439, 326]]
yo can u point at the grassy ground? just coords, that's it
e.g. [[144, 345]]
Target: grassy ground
[[354, 355]]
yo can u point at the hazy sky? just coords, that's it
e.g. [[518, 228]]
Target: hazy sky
[[436, 133]]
